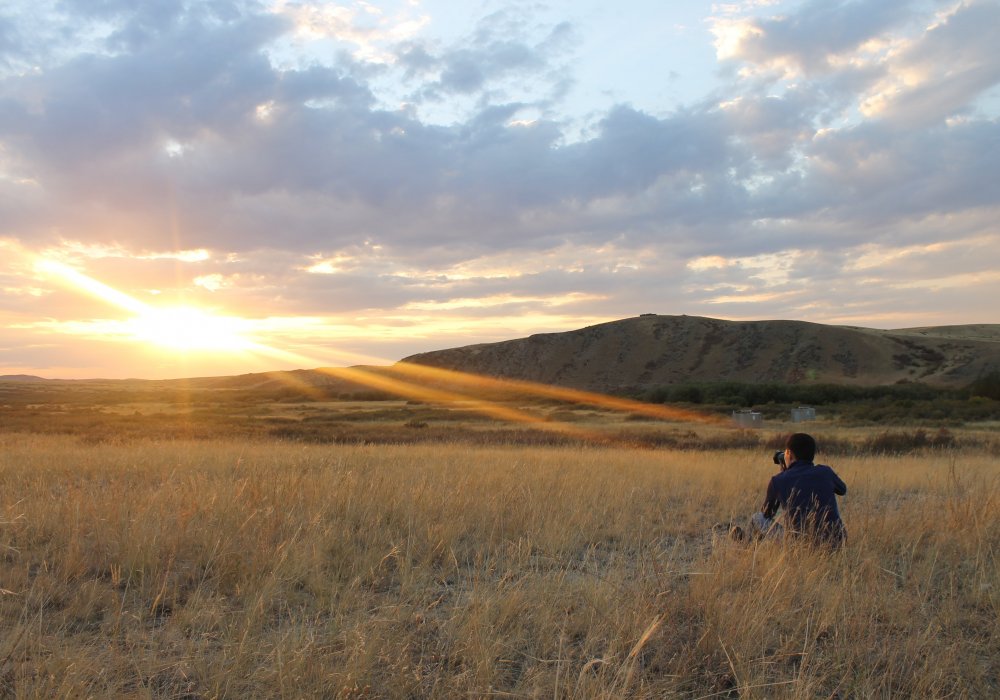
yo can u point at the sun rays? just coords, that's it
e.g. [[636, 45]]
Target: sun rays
[[184, 329], [177, 328], [548, 391]]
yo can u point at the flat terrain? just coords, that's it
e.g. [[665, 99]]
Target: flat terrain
[[119, 412]]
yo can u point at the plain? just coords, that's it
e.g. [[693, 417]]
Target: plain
[[216, 568]]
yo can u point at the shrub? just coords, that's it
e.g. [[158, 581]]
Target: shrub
[[987, 386], [901, 442]]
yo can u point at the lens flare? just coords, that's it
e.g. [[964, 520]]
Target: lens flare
[[185, 329], [180, 328], [548, 391]]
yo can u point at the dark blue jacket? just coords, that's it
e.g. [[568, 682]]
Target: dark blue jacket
[[808, 494]]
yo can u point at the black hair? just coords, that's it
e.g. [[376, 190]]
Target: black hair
[[802, 445]]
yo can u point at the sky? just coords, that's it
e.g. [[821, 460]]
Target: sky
[[229, 186]]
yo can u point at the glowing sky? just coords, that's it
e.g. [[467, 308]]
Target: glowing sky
[[194, 188]]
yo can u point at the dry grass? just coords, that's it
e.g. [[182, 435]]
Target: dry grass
[[215, 569]]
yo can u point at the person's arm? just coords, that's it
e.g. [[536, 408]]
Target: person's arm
[[771, 502], [839, 487]]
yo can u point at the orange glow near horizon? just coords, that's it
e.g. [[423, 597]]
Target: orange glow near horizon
[[180, 328], [485, 407], [191, 330]]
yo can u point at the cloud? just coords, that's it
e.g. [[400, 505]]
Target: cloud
[[876, 174], [941, 73], [898, 61], [215, 140], [313, 178], [368, 29], [497, 61], [806, 40]]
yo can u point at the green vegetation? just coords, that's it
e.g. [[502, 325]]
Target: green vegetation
[[741, 394], [987, 387], [896, 404]]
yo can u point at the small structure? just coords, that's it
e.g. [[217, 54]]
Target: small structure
[[803, 414], [745, 418]]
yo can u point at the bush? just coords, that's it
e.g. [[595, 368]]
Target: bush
[[741, 394], [987, 386], [902, 442]]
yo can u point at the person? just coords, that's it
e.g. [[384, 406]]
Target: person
[[807, 493]]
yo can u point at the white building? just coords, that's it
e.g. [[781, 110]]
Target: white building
[[803, 414], [745, 418]]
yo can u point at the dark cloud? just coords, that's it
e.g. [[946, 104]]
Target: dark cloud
[[325, 162], [633, 150], [193, 78]]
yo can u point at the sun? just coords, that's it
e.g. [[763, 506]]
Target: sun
[[188, 329], [176, 328]]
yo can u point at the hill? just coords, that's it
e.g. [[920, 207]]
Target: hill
[[653, 350]]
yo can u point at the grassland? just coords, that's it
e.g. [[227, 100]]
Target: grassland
[[217, 543], [168, 566], [121, 412]]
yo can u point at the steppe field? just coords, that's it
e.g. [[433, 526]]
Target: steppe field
[[270, 566]]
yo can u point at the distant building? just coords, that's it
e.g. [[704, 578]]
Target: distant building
[[746, 418], [803, 414]]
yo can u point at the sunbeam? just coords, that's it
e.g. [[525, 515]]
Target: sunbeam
[[185, 329], [491, 409], [75, 278], [549, 391], [179, 328]]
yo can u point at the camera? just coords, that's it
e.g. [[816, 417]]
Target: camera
[[779, 458]]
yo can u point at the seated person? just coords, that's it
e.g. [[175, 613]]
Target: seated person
[[807, 493]]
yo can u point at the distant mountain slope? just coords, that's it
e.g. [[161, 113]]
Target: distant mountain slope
[[21, 378], [652, 350]]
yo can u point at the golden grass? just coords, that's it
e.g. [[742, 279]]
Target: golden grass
[[226, 569]]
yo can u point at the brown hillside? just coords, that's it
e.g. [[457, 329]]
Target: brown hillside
[[652, 350]]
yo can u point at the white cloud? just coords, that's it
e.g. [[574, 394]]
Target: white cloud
[[370, 30], [941, 72], [213, 282]]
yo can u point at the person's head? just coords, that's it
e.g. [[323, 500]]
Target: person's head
[[800, 446]]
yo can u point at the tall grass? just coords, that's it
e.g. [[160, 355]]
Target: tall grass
[[215, 569]]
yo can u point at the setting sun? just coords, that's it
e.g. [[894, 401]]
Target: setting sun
[[188, 329], [178, 328]]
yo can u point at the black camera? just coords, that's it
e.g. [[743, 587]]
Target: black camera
[[779, 458]]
